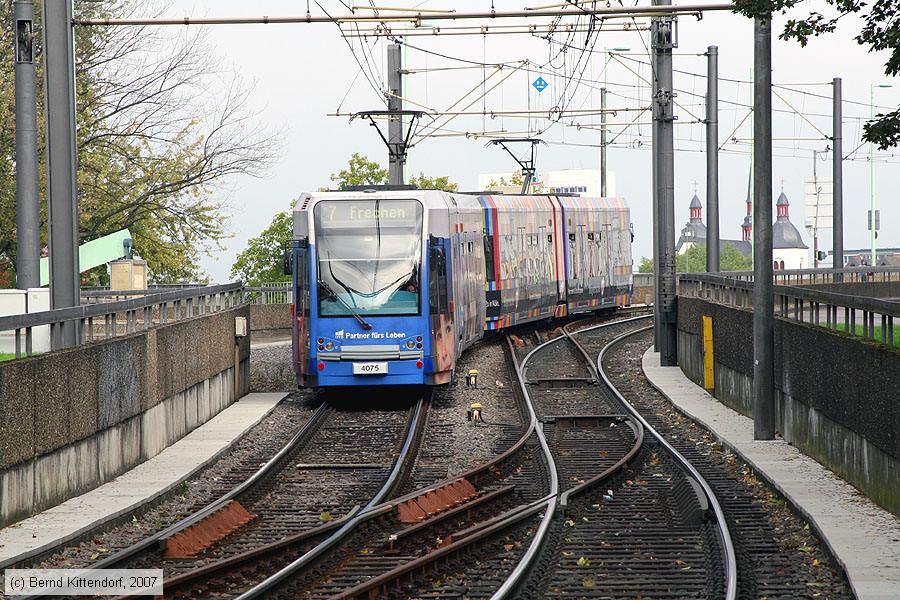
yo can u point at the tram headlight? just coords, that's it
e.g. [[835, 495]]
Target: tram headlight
[[329, 345], [410, 344]]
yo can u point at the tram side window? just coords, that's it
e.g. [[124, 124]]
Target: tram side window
[[302, 267], [489, 258], [437, 279]]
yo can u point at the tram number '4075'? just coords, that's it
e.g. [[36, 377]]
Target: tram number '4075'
[[370, 368]]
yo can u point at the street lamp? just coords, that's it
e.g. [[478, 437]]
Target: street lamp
[[872, 219], [606, 52]]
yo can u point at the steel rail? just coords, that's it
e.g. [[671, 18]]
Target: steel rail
[[524, 566], [357, 515], [508, 519], [311, 425], [516, 578], [721, 525], [157, 538], [415, 17], [473, 472]]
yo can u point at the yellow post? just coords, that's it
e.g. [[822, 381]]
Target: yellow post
[[709, 379]]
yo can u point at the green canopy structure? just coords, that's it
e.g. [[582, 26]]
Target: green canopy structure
[[94, 253]]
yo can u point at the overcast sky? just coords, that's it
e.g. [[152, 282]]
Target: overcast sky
[[300, 73]]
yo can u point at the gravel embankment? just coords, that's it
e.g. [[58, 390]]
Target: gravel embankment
[[453, 444], [270, 367]]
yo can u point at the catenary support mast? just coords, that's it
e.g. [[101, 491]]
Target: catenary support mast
[[763, 301], [59, 77], [28, 224], [396, 145], [663, 41], [837, 177]]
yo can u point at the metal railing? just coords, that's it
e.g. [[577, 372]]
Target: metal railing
[[817, 276], [266, 293], [871, 318], [143, 309], [269, 293], [101, 293]]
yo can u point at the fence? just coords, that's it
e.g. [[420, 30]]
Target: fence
[[269, 293], [871, 318], [142, 309], [820, 276], [104, 313]]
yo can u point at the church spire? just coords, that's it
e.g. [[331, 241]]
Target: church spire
[[696, 210], [783, 207]]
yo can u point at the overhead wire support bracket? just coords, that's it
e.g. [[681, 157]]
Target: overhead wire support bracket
[[395, 150], [527, 165]]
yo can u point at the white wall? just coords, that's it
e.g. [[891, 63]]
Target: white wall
[[18, 302], [794, 258]]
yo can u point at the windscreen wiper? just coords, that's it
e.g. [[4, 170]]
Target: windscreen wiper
[[331, 294]]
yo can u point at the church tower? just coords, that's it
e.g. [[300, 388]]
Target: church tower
[[788, 249]]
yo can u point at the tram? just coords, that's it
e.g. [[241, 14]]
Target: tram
[[390, 286]]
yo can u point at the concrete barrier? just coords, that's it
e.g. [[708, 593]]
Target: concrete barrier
[[270, 316], [836, 395], [75, 419]]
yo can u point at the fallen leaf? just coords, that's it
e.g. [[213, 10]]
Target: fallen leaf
[[583, 562], [325, 516]]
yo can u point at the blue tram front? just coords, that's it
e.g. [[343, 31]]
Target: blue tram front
[[361, 281]]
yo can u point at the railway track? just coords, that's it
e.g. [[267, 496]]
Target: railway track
[[776, 557], [337, 462], [651, 526], [590, 446], [403, 536]]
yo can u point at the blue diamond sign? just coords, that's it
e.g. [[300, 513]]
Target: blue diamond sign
[[539, 84]]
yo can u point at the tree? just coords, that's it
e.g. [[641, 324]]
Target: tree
[[433, 183], [515, 180], [731, 259], [261, 261], [694, 260], [646, 265], [360, 171], [151, 153], [881, 31]]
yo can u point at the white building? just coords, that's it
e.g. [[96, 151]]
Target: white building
[[585, 182]]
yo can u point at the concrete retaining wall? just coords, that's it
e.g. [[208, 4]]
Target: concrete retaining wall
[[836, 395], [74, 419], [642, 295], [270, 316]]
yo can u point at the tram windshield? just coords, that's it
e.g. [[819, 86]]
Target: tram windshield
[[369, 257]]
